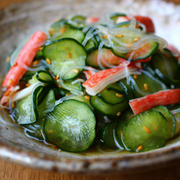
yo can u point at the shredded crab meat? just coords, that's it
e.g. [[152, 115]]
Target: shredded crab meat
[[100, 80]]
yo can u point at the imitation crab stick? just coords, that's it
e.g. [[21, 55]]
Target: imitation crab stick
[[92, 20], [147, 21], [24, 59], [101, 79], [165, 97], [105, 57]]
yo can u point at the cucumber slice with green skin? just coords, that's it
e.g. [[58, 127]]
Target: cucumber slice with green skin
[[77, 22], [166, 67], [45, 77], [143, 132], [128, 114], [145, 84], [112, 96], [170, 118], [116, 15], [60, 92], [81, 99], [91, 45], [108, 109], [108, 58], [71, 126], [72, 86], [25, 111], [109, 136], [39, 55], [35, 130], [71, 33], [67, 57], [127, 24], [177, 117], [128, 37], [58, 27], [127, 87]]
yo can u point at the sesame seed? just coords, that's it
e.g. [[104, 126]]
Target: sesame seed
[[87, 97], [11, 81], [50, 131], [51, 32], [41, 48], [146, 129], [56, 77], [118, 113], [13, 104], [136, 39], [146, 86], [70, 55], [135, 76], [35, 62], [62, 30], [27, 84], [119, 95], [48, 60], [140, 148], [7, 59], [119, 35]]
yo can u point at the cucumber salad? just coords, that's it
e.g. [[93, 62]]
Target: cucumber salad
[[109, 81]]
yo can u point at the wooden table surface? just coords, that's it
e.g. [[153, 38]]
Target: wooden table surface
[[12, 171]]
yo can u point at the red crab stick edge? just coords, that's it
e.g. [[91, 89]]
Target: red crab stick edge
[[165, 97], [24, 59]]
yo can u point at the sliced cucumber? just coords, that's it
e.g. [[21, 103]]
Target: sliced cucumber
[[146, 84], [81, 99], [91, 45], [58, 28], [108, 109], [166, 67], [112, 96], [107, 58], [127, 86], [25, 111], [71, 126], [60, 92], [45, 77], [27, 76], [116, 15], [77, 22], [170, 118], [128, 114], [127, 24], [177, 117], [144, 132], [67, 57], [71, 33], [35, 130], [129, 36], [73, 86], [109, 136]]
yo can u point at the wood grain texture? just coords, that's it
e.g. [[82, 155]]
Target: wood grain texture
[[11, 171]]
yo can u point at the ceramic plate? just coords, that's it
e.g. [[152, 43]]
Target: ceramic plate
[[19, 21]]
